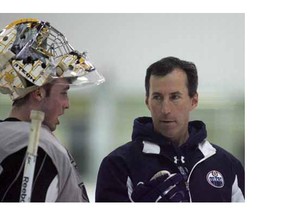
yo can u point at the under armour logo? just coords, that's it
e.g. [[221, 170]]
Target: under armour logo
[[181, 159]]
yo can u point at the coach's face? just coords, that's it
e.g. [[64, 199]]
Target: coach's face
[[170, 105], [55, 103]]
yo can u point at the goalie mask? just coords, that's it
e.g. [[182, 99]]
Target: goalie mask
[[33, 53]]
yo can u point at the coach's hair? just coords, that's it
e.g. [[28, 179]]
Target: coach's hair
[[167, 65]]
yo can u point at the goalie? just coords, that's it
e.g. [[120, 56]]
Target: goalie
[[37, 68]]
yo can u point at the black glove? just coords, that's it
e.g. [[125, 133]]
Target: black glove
[[164, 188]]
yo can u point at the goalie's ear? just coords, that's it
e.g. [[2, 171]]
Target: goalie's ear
[[38, 94]]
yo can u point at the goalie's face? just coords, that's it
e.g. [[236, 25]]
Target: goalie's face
[[55, 102]]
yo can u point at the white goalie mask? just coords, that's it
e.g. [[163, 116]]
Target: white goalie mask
[[33, 53]]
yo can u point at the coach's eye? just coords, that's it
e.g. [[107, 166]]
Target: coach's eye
[[175, 97], [157, 97]]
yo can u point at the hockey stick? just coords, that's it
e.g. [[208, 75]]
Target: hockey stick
[[31, 155]]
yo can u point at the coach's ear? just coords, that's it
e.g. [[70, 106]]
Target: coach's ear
[[38, 94], [147, 102], [194, 101]]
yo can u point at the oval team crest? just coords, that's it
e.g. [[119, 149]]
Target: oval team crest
[[215, 178]]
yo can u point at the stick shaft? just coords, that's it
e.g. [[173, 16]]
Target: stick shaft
[[31, 155]]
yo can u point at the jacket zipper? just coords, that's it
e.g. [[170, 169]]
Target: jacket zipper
[[187, 182]]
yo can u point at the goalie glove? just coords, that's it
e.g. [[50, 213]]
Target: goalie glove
[[162, 187]]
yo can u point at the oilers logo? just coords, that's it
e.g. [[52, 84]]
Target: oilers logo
[[215, 178]]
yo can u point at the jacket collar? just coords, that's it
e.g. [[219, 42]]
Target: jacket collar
[[143, 130], [205, 147]]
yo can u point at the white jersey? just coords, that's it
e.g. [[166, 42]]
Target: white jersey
[[56, 178]]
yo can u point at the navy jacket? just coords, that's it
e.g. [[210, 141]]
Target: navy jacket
[[213, 174]]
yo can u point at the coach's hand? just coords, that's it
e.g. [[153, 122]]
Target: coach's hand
[[165, 188]]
